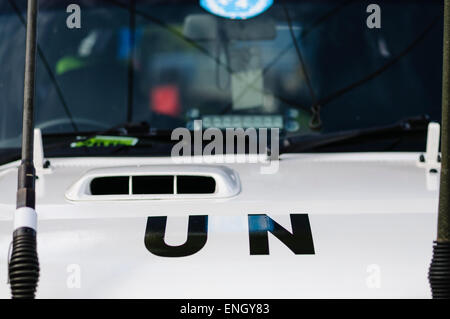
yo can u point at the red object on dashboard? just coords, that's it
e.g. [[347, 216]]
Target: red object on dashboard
[[165, 99]]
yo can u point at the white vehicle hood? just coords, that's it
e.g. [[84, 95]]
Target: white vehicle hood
[[372, 216]]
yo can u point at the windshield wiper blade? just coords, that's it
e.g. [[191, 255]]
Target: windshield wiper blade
[[123, 129], [127, 128], [309, 142]]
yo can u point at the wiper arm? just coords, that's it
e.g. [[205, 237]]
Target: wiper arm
[[333, 96], [308, 142]]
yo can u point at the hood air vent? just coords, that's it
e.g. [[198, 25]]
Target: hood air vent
[[156, 182], [152, 185]]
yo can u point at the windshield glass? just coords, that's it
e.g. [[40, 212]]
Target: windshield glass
[[169, 63]]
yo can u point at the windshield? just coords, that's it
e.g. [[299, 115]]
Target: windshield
[[169, 63]]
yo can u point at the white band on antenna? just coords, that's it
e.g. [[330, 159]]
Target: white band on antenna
[[25, 217]]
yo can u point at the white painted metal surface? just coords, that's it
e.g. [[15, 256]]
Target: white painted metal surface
[[372, 215]]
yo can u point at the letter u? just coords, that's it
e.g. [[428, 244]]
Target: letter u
[[196, 239]]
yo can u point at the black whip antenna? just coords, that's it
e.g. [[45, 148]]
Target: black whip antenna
[[440, 264], [24, 264]]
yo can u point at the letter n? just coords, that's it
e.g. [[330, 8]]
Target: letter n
[[300, 241], [196, 239]]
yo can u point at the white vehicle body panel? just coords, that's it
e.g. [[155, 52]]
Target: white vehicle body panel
[[371, 214]]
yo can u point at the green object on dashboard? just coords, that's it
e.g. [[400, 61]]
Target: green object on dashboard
[[69, 63], [106, 141]]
